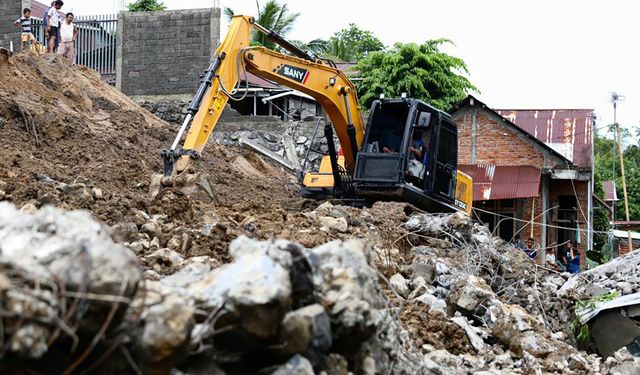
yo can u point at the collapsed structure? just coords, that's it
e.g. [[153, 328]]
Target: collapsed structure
[[247, 278]]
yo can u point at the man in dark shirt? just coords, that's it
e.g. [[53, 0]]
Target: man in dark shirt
[[563, 255]]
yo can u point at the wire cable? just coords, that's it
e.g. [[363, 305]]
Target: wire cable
[[242, 69], [532, 222]]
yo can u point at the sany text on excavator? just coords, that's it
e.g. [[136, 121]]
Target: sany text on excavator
[[406, 152]]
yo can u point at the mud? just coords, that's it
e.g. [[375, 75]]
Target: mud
[[65, 126]]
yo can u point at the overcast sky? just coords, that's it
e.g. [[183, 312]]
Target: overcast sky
[[533, 54]]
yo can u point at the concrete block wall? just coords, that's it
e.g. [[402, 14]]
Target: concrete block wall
[[164, 53], [10, 10]]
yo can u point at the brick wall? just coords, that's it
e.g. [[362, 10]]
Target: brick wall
[[10, 10], [496, 143], [164, 53]]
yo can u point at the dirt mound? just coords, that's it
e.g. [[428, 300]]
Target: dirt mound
[[73, 141]]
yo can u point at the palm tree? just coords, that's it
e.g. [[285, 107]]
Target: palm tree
[[274, 17]]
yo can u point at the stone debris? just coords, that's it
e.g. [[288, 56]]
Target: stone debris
[[240, 275]]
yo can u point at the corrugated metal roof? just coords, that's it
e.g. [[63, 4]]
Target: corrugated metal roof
[[503, 182], [610, 191], [589, 312], [568, 131], [470, 100]]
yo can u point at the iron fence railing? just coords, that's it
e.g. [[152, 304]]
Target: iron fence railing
[[96, 43]]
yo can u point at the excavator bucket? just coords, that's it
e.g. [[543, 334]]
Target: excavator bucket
[[188, 183]]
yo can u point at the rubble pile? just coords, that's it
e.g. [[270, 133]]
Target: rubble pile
[[620, 274], [288, 142], [487, 307], [276, 306]]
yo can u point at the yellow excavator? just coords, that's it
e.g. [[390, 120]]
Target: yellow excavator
[[406, 152]]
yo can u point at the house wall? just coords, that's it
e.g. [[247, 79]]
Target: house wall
[[10, 10], [484, 139], [164, 53]]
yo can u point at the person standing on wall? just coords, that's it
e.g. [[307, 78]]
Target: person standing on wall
[[24, 23], [68, 36], [53, 26]]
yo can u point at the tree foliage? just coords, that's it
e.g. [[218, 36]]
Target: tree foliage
[[352, 44], [422, 71], [601, 253], [145, 6], [607, 165], [274, 16]]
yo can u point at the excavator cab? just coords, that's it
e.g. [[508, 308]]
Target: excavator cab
[[409, 153]]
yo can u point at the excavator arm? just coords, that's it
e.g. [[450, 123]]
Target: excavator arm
[[234, 57]]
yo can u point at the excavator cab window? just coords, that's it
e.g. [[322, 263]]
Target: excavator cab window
[[384, 146], [386, 128], [419, 149]]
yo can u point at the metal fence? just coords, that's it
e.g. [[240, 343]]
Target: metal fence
[[96, 43]]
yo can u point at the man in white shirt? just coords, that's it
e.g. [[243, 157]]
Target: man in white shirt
[[53, 25], [68, 36]]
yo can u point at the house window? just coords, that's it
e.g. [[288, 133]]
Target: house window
[[507, 203]]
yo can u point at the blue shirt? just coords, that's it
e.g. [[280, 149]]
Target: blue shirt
[[419, 145], [574, 265]]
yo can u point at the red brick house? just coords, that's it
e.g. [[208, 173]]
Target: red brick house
[[532, 170]]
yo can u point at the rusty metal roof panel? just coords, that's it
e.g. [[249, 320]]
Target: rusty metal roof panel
[[503, 182], [609, 191], [568, 131]]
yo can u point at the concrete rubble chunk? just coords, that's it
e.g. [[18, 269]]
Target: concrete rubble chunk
[[474, 333], [399, 284], [124, 232], [255, 291], [469, 294], [307, 331], [434, 303], [348, 289], [297, 365], [164, 258], [152, 228], [330, 223], [164, 338], [72, 252]]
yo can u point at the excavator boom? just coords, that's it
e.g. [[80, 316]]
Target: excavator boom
[[328, 85], [377, 163]]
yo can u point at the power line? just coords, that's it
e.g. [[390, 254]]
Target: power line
[[534, 222]]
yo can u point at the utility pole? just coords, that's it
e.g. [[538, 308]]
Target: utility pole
[[615, 98]]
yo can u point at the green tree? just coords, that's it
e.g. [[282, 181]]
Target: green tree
[[607, 165], [422, 71], [146, 6], [601, 252], [274, 17], [352, 44], [317, 46]]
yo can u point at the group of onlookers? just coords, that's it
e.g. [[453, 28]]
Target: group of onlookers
[[60, 33], [563, 258]]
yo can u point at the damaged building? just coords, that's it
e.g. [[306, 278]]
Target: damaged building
[[532, 170]]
